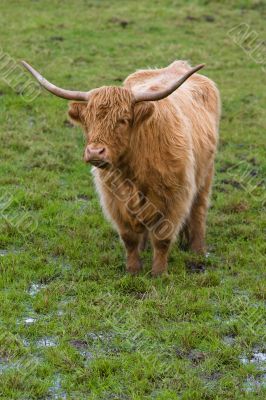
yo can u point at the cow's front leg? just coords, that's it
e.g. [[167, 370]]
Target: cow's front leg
[[131, 241], [160, 255]]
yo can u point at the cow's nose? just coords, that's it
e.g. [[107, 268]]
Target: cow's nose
[[95, 154], [95, 151]]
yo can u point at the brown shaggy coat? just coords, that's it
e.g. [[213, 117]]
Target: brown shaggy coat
[[161, 157]]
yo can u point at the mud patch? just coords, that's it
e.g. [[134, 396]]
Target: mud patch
[[232, 182], [119, 21], [195, 267], [195, 356], [212, 378], [57, 38], [104, 343], [68, 124], [119, 79], [225, 167], [191, 18], [237, 208], [82, 348], [208, 18], [83, 197]]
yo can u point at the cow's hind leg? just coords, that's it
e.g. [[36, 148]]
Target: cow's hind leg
[[160, 255], [143, 240], [196, 224]]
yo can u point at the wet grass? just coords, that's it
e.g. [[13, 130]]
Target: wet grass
[[73, 324]]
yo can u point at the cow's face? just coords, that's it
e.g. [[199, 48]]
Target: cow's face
[[108, 120]]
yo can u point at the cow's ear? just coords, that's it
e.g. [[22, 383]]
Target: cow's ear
[[143, 111], [76, 112]]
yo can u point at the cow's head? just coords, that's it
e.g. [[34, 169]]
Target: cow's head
[[107, 119], [109, 114]]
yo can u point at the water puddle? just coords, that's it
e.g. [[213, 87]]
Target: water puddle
[[60, 313], [26, 342], [30, 317], [253, 384], [56, 391], [7, 366], [62, 307], [100, 336], [229, 340], [117, 396], [4, 365], [5, 252], [29, 320], [65, 265], [258, 358], [258, 382], [22, 365], [35, 288], [46, 342]]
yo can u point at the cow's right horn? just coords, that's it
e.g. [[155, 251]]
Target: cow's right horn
[[57, 91], [150, 95]]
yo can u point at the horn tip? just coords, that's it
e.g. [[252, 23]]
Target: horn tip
[[201, 66], [25, 64]]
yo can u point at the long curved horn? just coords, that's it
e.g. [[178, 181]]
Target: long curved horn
[[64, 94], [159, 95]]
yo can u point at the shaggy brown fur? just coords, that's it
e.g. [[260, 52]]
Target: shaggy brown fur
[[161, 159]]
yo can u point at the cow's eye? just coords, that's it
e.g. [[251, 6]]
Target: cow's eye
[[122, 122]]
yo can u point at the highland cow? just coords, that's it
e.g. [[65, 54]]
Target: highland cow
[[153, 148]]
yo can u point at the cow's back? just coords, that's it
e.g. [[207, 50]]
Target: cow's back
[[196, 104]]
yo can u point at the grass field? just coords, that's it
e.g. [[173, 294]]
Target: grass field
[[73, 325]]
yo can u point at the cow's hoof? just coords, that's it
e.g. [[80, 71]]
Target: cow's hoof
[[133, 272], [134, 269], [198, 247], [158, 273]]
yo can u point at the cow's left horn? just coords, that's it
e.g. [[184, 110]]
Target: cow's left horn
[[57, 91], [159, 95]]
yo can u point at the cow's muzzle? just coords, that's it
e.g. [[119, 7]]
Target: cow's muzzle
[[96, 155]]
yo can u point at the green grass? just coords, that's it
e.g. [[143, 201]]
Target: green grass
[[108, 335]]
